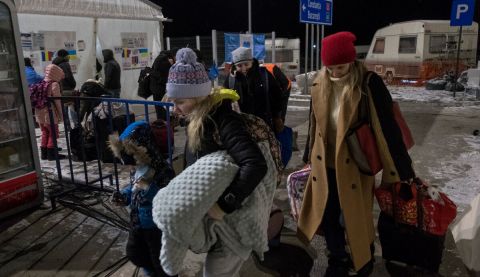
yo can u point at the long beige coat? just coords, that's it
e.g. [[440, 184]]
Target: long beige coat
[[355, 190]]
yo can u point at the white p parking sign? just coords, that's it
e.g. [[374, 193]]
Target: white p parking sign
[[462, 12]]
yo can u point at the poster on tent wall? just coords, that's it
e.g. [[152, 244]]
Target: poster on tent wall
[[42, 46], [33, 45], [255, 42], [133, 53]]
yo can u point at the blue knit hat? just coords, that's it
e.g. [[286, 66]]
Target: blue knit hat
[[187, 78]]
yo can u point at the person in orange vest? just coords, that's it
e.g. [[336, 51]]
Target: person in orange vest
[[284, 83]]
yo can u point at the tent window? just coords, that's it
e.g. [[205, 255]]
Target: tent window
[[407, 45], [379, 47], [437, 43]]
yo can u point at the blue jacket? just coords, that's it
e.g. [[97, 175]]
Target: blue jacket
[[32, 76], [140, 202]]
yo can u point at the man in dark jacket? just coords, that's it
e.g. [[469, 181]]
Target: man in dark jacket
[[68, 83], [159, 77], [259, 92], [284, 83], [112, 73]]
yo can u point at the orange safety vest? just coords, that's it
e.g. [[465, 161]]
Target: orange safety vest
[[270, 66]]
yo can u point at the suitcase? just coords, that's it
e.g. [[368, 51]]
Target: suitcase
[[296, 183], [409, 244]]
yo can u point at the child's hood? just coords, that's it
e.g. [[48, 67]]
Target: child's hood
[[54, 73]]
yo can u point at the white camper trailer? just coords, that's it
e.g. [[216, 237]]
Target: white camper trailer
[[420, 50], [287, 55]]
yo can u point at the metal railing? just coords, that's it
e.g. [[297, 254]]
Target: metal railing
[[96, 182]]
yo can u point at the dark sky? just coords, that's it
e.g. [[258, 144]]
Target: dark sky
[[362, 17]]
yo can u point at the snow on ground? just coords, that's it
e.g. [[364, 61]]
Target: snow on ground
[[420, 94], [460, 173]]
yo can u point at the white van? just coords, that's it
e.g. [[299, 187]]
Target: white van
[[420, 50]]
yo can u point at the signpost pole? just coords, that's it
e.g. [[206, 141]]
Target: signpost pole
[[320, 46], [317, 49], [249, 16], [461, 15], [459, 45], [314, 12], [306, 58], [312, 36]]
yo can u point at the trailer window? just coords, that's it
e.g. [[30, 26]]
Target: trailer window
[[437, 43], [407, 45], [281, 56], [379, 46]]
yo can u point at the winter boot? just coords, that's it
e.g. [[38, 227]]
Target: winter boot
[[43, 153], [338, 267], [51, 155]]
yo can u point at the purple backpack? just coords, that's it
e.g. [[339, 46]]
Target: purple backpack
[[39, 94]]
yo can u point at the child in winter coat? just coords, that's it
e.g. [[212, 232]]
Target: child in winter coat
[[53, 76], [152, 172]]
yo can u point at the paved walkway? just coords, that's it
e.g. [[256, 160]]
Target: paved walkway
[[75, 241]]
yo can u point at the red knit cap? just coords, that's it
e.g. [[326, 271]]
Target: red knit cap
[[338, 48]]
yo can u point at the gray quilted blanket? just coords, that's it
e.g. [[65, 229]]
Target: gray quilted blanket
[[180, 209]]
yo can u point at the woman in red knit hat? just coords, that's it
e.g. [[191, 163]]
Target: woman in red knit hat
[[338, 197]]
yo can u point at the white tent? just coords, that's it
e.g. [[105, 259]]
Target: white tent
[[133, 29]]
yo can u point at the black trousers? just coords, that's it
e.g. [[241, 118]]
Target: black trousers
[[160, 111], [143, 250], [331, 223]]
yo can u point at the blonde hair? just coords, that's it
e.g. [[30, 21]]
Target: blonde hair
[[195, 129], [356, 73]]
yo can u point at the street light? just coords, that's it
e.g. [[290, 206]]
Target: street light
[[249, 16]]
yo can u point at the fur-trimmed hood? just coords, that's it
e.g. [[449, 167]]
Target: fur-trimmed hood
[[137, 142], [129, 147]]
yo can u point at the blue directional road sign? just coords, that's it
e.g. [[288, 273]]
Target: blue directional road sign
[[316, 11], [462, 12]]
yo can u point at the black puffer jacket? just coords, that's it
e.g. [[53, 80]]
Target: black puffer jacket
[[254, 97], [112, 70], [68, 83], [236, 140]]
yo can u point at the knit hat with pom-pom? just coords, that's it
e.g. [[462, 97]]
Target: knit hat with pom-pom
[[187, 78]]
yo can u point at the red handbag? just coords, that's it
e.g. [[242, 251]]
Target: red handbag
[[361, 139], [412, 205]]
